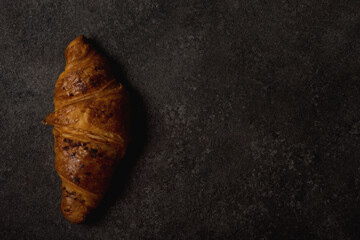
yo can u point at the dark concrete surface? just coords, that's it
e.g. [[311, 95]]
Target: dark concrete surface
[[248, 120]]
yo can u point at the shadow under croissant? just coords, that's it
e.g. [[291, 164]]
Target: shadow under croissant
[[138, 132]]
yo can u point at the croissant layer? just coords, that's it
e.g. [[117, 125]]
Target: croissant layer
[[91, 128]]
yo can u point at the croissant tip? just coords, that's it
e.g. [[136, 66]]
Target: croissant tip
[[74, 219], [73, 210], [75, 205], [80, 37], [77, 49]]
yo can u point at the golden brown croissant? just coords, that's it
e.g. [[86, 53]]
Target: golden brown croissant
[[91, 128]]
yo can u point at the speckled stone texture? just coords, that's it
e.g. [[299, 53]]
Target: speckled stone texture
[[247, 120]]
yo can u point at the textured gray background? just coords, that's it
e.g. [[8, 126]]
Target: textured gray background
[[247, 118]]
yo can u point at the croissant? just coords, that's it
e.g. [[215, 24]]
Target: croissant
[[91, 128]]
